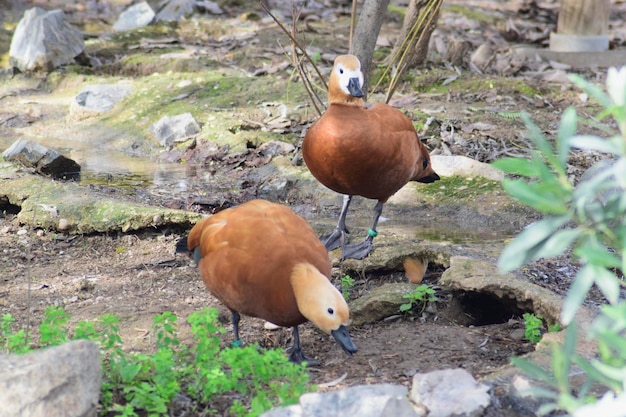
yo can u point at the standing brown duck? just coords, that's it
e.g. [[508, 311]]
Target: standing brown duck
[[262, 260], [357, 149]]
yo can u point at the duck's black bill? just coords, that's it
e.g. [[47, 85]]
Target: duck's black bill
[[342, 336]]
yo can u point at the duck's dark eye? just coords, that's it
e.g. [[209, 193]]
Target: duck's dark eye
[[340, 70], [331, 311]]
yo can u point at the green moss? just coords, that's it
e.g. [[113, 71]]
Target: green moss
[[398, 10], [471, 13], [457, 188]]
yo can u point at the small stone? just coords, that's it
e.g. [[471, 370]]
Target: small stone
[[482, 56], [170, 129], [63, 224], [518, 335]]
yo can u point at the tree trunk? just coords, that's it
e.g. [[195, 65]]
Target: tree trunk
[[366, 34], [418, 50]]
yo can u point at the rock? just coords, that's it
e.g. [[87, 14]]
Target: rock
[[275, 189], [473, 275], [481, 57], [96, 99], [175, 128], [46, 161], [450, 392], [58, 381], [136, 16], [81, 209], [378, 400], [463, 166], [381, 302], [175, 10], [44, 40], [275, 147], [210, 7]]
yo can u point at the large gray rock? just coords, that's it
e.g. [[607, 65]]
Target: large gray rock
[[44, 40], [378, 400], [46, 161], [59, 381], [450, 393], [462, 166], [136, 16], [176, 10], [96, 99]]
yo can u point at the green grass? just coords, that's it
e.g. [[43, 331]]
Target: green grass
[[136, 384]]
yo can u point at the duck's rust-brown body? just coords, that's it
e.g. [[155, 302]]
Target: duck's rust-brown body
[[262, 260], [247, 255], [371, 152], [366, 150]]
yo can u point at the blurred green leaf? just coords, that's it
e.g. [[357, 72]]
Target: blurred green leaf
[[614, 145], [567, 129], [607, 283], [527, 245], [535, 195], [576, 294], [542, 144], [518, 166], [533, 370], [592, 251]]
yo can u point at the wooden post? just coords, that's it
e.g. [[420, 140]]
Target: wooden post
[[582, 26]]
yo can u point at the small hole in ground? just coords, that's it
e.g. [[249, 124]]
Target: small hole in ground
[[7, 208], [480, 309]]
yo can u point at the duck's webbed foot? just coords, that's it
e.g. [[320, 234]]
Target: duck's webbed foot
[[358, 250]]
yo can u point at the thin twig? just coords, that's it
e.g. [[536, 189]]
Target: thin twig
[[352, 25], [431, 10], [297, 62], [293, 39]]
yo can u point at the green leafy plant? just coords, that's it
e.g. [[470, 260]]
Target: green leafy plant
[[590, 217], [145, 384], [532, 326], [347, 282], [418, 299], [12, 341]]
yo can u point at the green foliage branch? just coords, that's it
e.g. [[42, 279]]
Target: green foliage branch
[[136, 384], [590, 218]]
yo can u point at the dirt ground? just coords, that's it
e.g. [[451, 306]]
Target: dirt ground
[[136, 276]]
